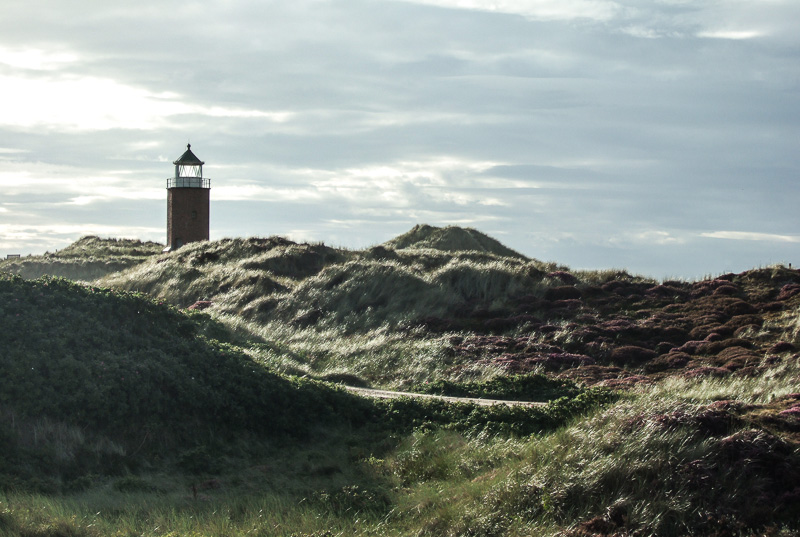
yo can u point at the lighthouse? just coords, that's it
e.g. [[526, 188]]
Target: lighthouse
[[188, 195]]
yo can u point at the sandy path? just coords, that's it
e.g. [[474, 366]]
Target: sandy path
[[385, 394]]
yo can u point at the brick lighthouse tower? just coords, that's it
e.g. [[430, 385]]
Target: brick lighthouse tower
[[187, 202]]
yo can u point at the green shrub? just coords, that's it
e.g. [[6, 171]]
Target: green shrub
[[133, 483], [408, 413], [526, 387]]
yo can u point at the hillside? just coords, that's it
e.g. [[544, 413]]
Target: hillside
[[86, 259], [474, 311], [134, 376], [700, 436], [276, 279], [450, 239]]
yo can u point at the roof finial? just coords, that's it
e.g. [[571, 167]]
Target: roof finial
[[188, 146]]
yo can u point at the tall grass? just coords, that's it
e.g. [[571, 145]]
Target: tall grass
[[86, 259], [381, 357], [451, 239], [104, 513], [320, 311], [276, 280], [629, 467]]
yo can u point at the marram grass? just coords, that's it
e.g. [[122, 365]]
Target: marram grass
[[620, 463]]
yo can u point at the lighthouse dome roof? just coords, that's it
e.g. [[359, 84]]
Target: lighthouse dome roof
[[189, 158]]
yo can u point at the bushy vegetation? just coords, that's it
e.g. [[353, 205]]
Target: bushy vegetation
[[97, 381], [672, 407], [525, 387], [69, 349], [93, 377], [86, 259], [450, 239]]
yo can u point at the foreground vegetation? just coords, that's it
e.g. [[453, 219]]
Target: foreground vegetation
[[674, 406]]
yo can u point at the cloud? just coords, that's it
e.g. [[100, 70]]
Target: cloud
[[35, 59], [75, 103], [547, 10], [27, 238], [583, 131], [658, 237], [751, 236], [730, 34], [32, 180]]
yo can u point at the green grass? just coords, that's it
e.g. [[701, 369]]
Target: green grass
[[86, 259], [630, 463], [528, 387], [450, 238], [266, 280], [627, 464], [228, 430]]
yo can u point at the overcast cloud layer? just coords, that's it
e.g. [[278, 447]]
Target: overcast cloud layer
[[657, 136]]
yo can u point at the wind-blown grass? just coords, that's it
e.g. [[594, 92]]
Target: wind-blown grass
[[702, 441], [637, 466], [86, 259]]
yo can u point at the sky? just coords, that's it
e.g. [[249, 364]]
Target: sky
[[656, 136]]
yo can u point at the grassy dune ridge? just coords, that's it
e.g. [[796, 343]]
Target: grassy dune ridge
[[86, 259], [674, 404]]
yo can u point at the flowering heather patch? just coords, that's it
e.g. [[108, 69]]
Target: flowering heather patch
[[690, 347], [200, 305], [703, 331], [563, 292], [771, 306], [626, 289], [592, 375], [713, 336], [726, 290], [486, 344], [524, 362], [564, 360], [739, 307], [793, 412], [739, 321], [631, 354], [664, 362], [745, 331], [665, 291], [563, 276], [709, 287], [713, 420], [626, 382], [734, 358], [618, 325], [716, 346], [781, 347], [788, 291], [567, 304]]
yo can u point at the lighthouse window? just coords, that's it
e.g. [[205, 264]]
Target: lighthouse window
[[194, 215]]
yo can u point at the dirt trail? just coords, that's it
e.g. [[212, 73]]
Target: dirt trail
[[386, 394]]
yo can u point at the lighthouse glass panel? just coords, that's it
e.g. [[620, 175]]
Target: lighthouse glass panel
[[190, 171]]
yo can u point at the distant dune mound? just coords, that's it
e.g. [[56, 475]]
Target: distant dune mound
[[86, 259], [450, 239]]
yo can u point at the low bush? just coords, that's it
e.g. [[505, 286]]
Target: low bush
[[526, 387], [408, 413]]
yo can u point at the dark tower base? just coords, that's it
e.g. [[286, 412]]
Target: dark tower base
[[187, 216]]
